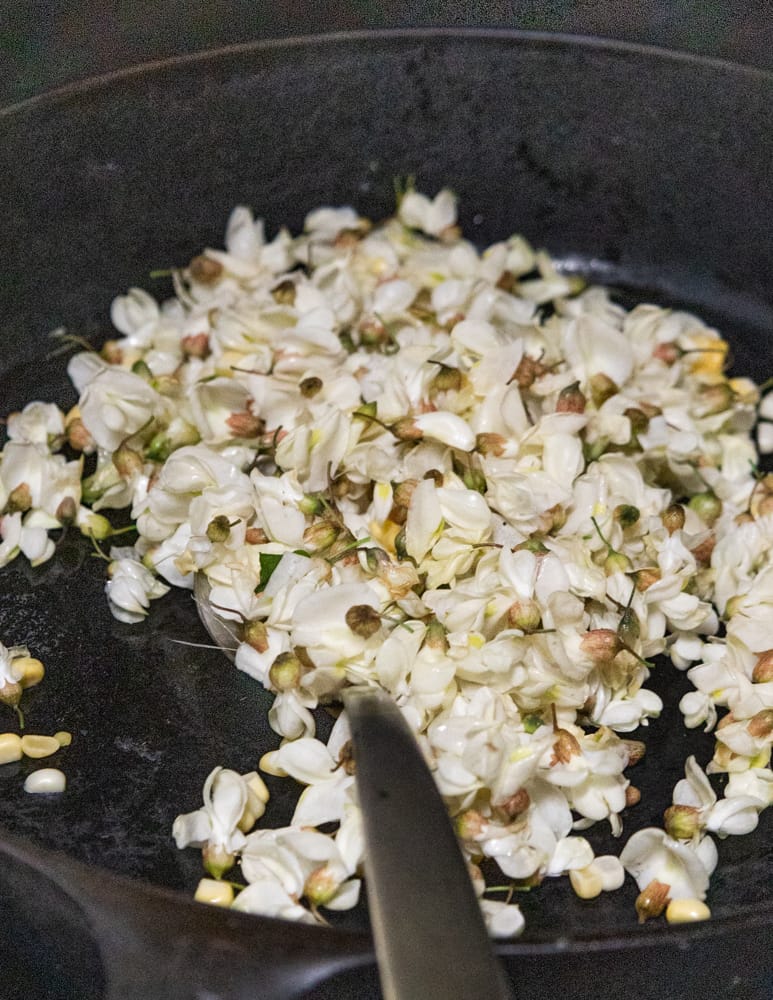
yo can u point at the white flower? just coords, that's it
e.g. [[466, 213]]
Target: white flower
[[131, 586], [115, 404], [431, 217], [652, 854], [228, 798]]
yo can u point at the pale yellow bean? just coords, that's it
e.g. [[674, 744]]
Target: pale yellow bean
[[10, 748], [45, 781], [210, 890], [586, 882], [63, 738], [687, 911], [39, 746]]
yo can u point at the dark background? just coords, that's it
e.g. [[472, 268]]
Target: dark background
[[46, 44]]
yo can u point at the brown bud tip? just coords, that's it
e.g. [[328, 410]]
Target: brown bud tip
[[245, 424], [310, 386], [284, 292], [10, 694], [565, 747], [571, 399], [346, 758], [403, 493], [363, 620], [320, 535], [632, 796], [527, 372], [446, 380], [490, 444], [19, 499], [436, 636], [78, 436], [668, 353], [601, 644], [644, 578], [406, 430], [673, 518], [470, 825], [763, 668], [760, 725], [636, 750], [515, 804], [652, 900], [255, 536], [602, 388], [66, 511], [195, 345], [205, 270], [128, 461]]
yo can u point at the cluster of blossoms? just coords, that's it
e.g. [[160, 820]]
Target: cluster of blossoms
[[460, 476]]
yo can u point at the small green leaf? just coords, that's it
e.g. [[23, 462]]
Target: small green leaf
[[268, 563]]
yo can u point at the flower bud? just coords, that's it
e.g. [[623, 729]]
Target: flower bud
[[127, 461], [10, 694], [19, 499], [669, 353], [601, 644], [346, 760], [524, 615], [78, 436], [702, 551], [715, 399], [366, 410], [571, 399], [95, 526], [760, 726], [67, 511], [673, 518], [160, 447], [245, 424], [638, 419], [602, 388], [644, 578], [532, 544], [707, 506], [682, 822], [629, 628], [406, 430], [527, 372], [320, 536], [435, 475], [436, 636], [321, 885], [284, 292], [255, 634], [626, 515], [470, 825], [310, 386], [632, 796], [617, 562], [565, 747], [490, 444], [255, 536], [652, 900], [446, 380], [219, 529], [195, 345], [763, 668], [205, 270], [403, 494], [636, 750], [514, 804], [285, 672], [217, 860], [363, 620]]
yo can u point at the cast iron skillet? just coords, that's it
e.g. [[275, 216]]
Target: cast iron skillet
[[647, 170]]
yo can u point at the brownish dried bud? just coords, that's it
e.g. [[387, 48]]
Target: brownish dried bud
[[632, 796], [403, 492], [19, 499], [490, 444], [507, 281], [435, 475], [112, 352], [715, 399], [127, 461], [406, 430], [652, 900], [78, 436], [363, 620], [673, 518], [310, 386], [515, 804], [638, 418], [702, 551], [255, 634], [195, 345], [320, 535], [284, 292], [372, 331], [346, 759], [763, 668], [644, 578], [10, 694], [682, 822], [446, 380], [601, 644], [285, 672], [571, 399], [245, 424], [565, 747], [636, 750], [470, 825], [602, 388], [436, 636], [524, 615], [219, 529], [668, 353], [205, 270], [528, 371], [760, 725], [255, 536], [67, 511]]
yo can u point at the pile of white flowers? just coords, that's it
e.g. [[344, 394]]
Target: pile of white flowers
[[456, 475]]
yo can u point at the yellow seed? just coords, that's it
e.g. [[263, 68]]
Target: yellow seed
[[10, 748], [686, 911], [63, 738], [46, 780], [28, 671], [586, 882], [39, 746], [209, 890]]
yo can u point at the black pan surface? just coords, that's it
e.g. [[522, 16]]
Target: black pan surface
[[647, 171]]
